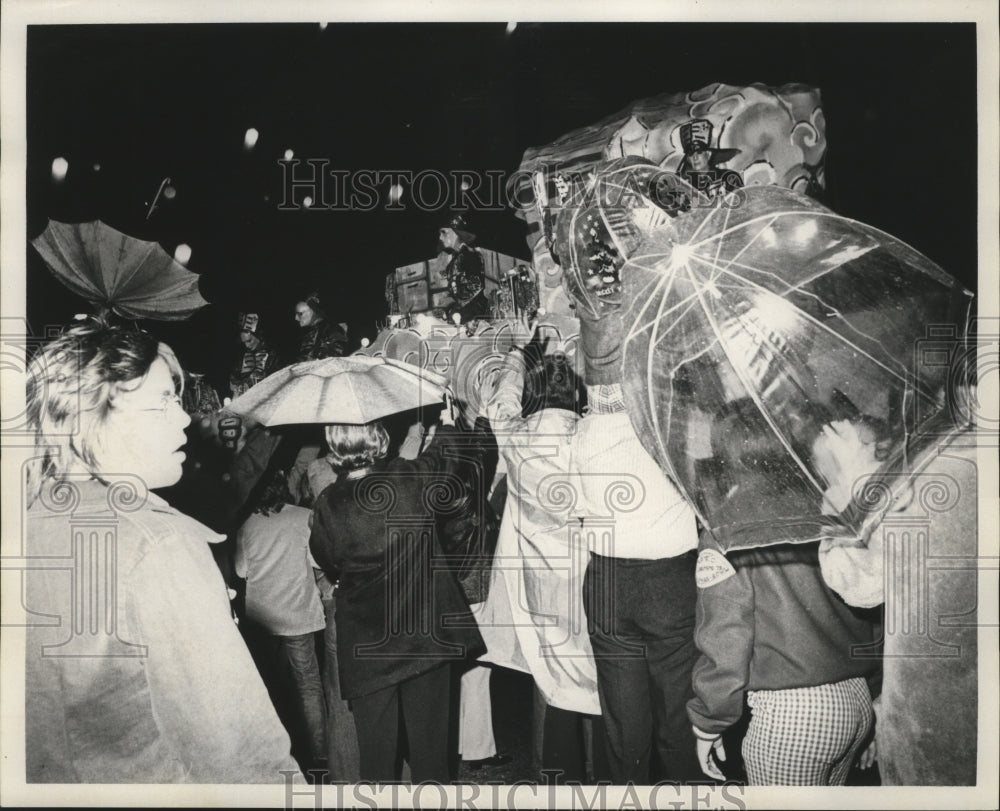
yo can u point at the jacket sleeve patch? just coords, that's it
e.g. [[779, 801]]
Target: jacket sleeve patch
[[712, 568]]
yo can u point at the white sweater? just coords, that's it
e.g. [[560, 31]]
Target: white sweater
[[628, 507]]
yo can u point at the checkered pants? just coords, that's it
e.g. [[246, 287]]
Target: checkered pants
[[807, 736], [605, 398]]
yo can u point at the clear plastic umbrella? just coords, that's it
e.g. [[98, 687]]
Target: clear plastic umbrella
[[751, 327], [355, 390]]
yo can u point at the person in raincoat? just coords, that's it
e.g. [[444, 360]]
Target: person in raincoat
[[533, 619]]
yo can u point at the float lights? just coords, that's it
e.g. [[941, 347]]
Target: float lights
[[250, 139], [59, 168]]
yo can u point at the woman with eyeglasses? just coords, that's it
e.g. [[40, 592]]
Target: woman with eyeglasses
[[135, 671]]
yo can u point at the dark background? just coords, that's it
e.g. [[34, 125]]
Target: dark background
[[147, 102]]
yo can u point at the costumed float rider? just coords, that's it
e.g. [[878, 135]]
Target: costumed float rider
[[466, 273], [701, 164], [320, 337], [257, 360], [254, 445]]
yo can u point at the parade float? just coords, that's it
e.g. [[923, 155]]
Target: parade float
[[768, 136]]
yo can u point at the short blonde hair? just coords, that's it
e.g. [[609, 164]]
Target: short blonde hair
[[71, 387], [356, 446]]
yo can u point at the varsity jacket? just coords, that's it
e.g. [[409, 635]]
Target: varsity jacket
[[766, 620]]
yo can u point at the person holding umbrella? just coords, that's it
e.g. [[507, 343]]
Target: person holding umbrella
[[401, 622], [162, 689], [914, 562], [769, 629], [400, 618]]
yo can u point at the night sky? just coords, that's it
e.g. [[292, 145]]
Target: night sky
[[147, 102]]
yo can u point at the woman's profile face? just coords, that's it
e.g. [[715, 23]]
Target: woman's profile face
[[144, 431], [304, 314]]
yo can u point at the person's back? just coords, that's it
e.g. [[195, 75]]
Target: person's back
[[272, 554], [638, 592], [928, 714], [283, 599], [533, 619], [771, 630], [772, 623], [401, 621]]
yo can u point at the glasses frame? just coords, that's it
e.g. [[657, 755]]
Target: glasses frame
[[166, 402]]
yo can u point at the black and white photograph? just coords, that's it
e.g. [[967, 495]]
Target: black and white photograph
[[503, 406]]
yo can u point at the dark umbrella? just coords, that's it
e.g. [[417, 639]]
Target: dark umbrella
[[751, 325], [118, 273]]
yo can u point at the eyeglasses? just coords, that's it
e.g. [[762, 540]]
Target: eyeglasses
[[167, 401]]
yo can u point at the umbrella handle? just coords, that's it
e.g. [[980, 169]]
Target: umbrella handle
[[449, 409], [156, 199]]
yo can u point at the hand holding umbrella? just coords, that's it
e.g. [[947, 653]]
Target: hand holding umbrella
[[790, 310]]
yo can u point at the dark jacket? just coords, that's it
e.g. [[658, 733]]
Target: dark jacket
[[400, 611], [770, 622], [469, 531], [466, 274], [322, 340]]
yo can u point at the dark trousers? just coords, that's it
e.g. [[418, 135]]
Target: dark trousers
[[641, 617], [564, 746], [425, 702]]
